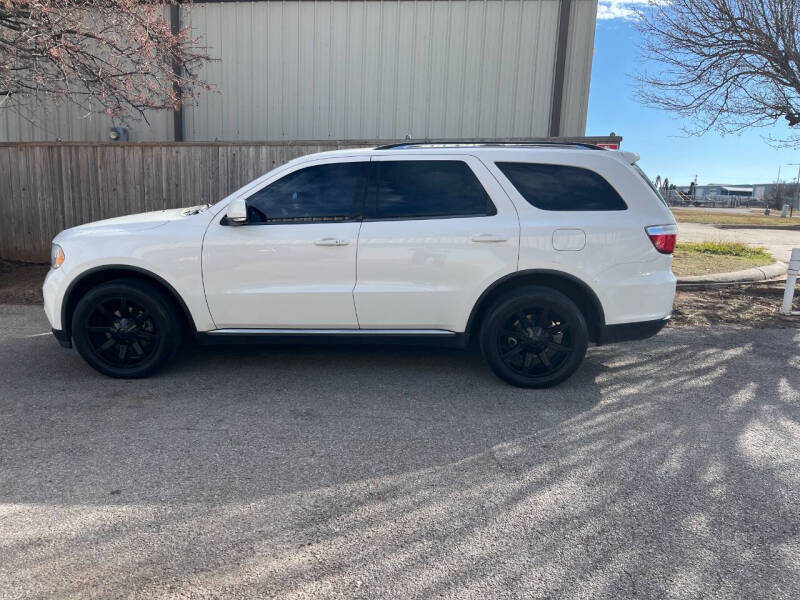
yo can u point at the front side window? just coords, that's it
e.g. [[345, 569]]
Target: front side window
[[320, 193], [560, 187], [418, 189]]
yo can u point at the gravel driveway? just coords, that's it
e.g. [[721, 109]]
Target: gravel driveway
[[668, 468]]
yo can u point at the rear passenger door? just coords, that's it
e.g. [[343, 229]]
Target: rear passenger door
[[437, 231]]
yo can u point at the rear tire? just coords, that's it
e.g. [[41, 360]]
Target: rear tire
[[534, 337], [126, 328]]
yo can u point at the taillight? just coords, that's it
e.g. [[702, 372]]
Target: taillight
[[663, 237]]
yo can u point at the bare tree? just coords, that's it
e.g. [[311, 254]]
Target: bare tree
[[118, 57], [780, 194], [723, 64]]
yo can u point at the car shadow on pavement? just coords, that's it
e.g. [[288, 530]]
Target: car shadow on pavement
[[665, 467]]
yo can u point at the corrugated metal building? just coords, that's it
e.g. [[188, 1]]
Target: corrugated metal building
[[370, 69]]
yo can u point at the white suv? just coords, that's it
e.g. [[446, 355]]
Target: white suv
[[533, 249]]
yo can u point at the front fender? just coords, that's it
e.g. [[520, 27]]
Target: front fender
[[169, 254]]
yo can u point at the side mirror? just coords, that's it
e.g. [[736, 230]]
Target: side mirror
[[237, 212]]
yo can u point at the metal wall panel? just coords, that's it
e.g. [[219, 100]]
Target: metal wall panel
[[580, 51], [49, 122], [365, 69], [370, 69]]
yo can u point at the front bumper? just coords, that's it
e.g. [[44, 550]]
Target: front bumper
[[628, 332], [53, 289], [63, 338]]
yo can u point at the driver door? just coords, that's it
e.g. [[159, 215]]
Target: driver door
[[292, 265]]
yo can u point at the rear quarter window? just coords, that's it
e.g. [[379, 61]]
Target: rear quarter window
[[561, 187]]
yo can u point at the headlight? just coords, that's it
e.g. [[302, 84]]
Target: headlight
[[56, 256]]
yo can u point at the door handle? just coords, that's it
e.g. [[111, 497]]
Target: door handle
[[329, 241], [489, 238]]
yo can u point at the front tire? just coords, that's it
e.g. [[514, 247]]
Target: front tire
[[534, 337], [126, 328]]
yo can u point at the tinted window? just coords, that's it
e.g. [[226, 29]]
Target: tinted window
[[331, 192], [429, 188], [558, 187]]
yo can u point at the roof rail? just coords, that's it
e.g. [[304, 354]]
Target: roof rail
[[416, 144]]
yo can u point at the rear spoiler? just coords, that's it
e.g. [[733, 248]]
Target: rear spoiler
[[629, 157]]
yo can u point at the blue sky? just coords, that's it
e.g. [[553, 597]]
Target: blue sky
[[656, 134]]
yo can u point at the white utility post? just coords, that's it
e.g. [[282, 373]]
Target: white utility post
[[796, 203], [796, 199], [791, 283]]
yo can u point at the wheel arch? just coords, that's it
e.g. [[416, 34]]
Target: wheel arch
[[98, 275], [574, 288]]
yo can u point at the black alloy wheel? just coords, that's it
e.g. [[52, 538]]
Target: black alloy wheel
[[534, 337], [535, 341], [121, 332], [126, 328]]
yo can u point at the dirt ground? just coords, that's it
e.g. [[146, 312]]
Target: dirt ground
[[749, 305], [744, 305], [21, 283]]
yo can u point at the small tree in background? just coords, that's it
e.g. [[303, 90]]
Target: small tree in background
[[118, 57], [723, 64], [780, 194]]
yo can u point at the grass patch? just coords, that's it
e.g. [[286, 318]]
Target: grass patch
[[724, 249], [711, 217], [704, 258]]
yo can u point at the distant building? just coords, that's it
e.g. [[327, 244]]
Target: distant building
[[763, 191], [777, 194], [716, 189], [756, 194]]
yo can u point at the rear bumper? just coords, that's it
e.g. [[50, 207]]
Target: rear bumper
[[628, 332], [63, 338], [645, 294]]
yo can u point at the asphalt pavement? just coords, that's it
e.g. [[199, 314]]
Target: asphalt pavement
[[668, 468]]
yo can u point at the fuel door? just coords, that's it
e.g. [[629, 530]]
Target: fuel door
[[569, 240]]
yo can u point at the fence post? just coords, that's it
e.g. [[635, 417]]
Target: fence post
[[791, 283]]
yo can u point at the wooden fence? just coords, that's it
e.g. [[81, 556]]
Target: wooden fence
[[47, 187]]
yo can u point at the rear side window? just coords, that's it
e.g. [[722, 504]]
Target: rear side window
[[561, 187], [418, 189]]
